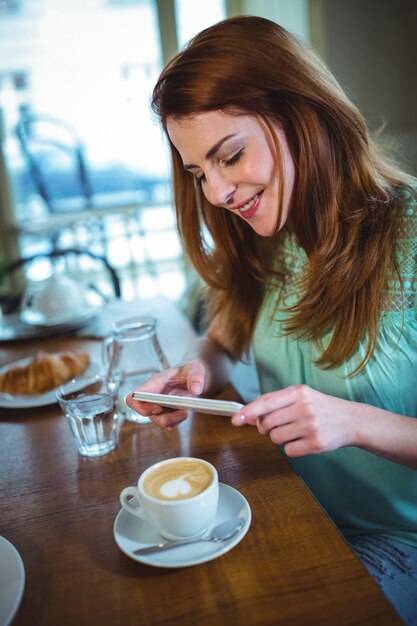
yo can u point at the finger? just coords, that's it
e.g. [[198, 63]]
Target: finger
[[144, 408], [179, 391], [195, 378], [263, 422], [283, 434], [178, 380], [275, 400], [169, 420], [155, 384], [270, 402], [298, 447], [239, 419], [276, 419], [158, 382]]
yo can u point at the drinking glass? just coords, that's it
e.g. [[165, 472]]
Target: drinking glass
[[132, 354], [89, 404]]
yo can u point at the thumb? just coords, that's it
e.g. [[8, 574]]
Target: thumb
[[195, 378]]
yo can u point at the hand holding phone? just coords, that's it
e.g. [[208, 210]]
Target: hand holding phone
[[189, 403]]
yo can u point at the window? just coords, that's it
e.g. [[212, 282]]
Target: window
[[193, 16], [10, 6], [90, 66]]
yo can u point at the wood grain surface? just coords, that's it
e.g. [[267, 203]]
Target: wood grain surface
[[58, 509]]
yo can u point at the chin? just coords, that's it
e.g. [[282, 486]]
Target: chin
[[263, 230]]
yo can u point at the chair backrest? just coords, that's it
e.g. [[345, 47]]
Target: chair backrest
[[55, 158], [11, 302]]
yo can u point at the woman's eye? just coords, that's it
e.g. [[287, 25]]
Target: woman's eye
[[234, 159], [200, 179]]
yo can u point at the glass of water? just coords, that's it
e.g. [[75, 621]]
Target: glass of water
[[90, 406]]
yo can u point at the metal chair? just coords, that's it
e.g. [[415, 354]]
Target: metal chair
[[46, 140], [62, 176]]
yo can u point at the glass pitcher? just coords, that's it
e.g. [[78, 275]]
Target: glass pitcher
[[132, 354]]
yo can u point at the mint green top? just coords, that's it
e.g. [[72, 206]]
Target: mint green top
[[361, 492]]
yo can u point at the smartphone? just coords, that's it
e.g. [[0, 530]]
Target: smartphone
[[203, 405]]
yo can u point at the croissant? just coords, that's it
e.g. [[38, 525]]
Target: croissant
[[44, 372]]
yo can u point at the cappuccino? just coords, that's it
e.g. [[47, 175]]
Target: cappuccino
[[179, 479], [177, 497]]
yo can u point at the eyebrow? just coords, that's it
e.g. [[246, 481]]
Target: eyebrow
[[211, 152]]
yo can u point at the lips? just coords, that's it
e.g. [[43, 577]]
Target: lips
[[249, 208]]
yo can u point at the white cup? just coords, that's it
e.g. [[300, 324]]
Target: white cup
[[178, 497], [55, 297]]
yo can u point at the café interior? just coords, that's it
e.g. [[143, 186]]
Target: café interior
[[86, 211]]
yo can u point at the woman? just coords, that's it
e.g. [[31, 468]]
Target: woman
[[306, 238]]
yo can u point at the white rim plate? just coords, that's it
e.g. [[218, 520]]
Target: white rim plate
[[131, 532], [12, 581], [33, 318], [29, 401]]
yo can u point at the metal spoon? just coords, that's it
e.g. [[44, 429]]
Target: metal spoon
[[219, 533]]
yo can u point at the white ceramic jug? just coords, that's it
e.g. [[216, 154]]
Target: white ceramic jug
[[57, 298]]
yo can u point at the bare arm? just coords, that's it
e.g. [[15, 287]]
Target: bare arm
[[212, 352], [386, 434]]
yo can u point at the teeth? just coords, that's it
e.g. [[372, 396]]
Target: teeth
[[249, 204]]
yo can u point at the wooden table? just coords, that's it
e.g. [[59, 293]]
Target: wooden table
[[58, 510]]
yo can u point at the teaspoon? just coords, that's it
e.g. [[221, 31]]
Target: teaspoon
[[219, 533]]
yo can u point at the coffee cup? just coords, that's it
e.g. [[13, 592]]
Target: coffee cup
[[178, 497]]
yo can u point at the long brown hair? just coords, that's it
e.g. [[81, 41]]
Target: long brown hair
[[344, 210]]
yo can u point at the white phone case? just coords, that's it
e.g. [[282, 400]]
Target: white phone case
[[203, 405]]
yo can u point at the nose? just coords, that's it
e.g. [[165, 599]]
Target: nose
[[219, 190]]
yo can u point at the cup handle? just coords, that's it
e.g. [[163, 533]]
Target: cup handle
[[27, 300], [127, 504]]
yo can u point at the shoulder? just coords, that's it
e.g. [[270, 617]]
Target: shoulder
[[406, 198], [407, 215], [401, 290], [407, 228]]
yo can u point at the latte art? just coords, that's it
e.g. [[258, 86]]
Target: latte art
[[178, 480]]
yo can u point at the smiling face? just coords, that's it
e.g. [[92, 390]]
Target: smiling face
[[233, 158]]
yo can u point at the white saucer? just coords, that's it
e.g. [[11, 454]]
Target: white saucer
[[14, 328], [35, 318], [12, 581], [131, 532]]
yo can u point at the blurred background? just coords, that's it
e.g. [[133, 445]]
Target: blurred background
[[82, 161]]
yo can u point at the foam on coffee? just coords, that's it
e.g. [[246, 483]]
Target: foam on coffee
[[178, 480]]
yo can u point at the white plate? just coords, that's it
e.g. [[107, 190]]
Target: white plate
[[12, 581], [204, 405], [131, 532], [33, 400], [34, 318]]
